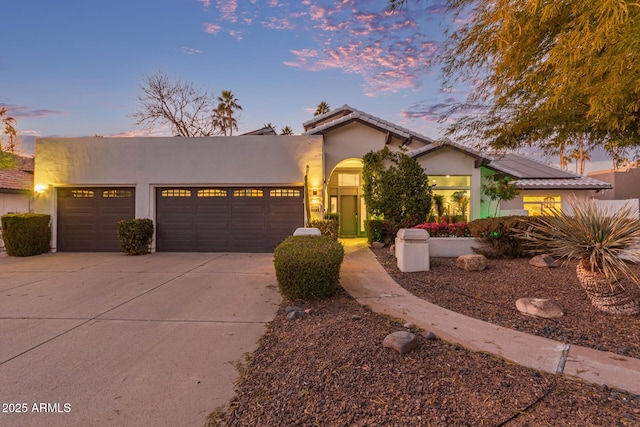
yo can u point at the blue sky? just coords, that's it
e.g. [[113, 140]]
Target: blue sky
[[73, 67]]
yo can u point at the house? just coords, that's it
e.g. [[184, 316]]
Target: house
[[246, 193], [16, 187]]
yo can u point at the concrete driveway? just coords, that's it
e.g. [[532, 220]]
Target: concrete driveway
[[109, 339]]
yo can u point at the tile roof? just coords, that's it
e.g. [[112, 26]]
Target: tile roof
[[19, 177], [535, 175], [528, 173], [346, 114]]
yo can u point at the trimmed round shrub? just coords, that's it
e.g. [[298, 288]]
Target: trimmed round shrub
[[308, 267], [135, 235], [26, 234]]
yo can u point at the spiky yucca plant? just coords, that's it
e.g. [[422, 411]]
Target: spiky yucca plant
[[600, 239]]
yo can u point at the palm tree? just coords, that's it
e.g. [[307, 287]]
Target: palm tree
[[286, 131], [601, 240], [322, 108], [224, 115]]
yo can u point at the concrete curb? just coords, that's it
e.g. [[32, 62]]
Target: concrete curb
[[365, 280]]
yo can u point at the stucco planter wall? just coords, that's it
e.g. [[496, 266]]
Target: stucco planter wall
[[452, 246]]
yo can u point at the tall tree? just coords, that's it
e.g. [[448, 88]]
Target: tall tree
[[225, 114], [396, 187], [322, 108], [185, 108], [546, 69], [9, 129]]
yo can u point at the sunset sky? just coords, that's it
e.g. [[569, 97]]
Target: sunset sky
[[73, 67]]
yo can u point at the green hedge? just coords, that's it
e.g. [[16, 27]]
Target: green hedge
[[26, 234], [135, 235], [328, 227], [308, 267], [375, 230], [502, 234]]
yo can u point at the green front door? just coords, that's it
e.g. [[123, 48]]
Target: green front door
[[348, 216]]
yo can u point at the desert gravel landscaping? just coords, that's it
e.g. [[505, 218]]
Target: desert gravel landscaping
[[330, 369]]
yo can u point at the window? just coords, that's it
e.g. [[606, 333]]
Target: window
[[284, 192], [248, 192], [462, 181], [333, 208], [454, 196], [117, 193], [348, 180], [212, 192], [176, 192], [542, 205], [82, 193]]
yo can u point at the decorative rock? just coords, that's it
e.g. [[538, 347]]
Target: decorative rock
[[291, 308], [429, 335], [539, 307], [307, 231], [543, 261], [409, 325], [293, 315], [392, 250], [356, 317], [377, 245], [401, 341], [471, 262]]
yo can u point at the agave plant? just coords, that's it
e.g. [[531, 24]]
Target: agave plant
[[603, 241]]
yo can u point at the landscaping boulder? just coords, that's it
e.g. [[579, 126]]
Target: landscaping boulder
[[401, 341], [539, 307], [377, 245], [543, 261], [471, 262]]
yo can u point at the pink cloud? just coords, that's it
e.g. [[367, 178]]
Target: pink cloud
[[189, 50], [227, 9], [212, 28], [205, 3]]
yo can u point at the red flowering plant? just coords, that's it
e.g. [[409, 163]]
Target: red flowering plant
[[443, 229]]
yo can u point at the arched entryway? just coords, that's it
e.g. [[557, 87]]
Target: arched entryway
[[345, 197]]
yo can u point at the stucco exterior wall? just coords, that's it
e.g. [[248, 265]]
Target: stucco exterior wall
[[447, 161], [149, 162], [626, 184], [565, 197], [15, 203], [353, 141]]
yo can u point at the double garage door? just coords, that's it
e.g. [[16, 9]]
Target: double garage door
[[198, 219], [226, 219]]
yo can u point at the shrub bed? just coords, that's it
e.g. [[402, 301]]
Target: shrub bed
[[375, 230], [443, 229], [328, 227], [308, 267], [502, 234], [26, 234], [135, 235]]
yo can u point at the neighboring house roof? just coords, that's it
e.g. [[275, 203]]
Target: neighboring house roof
[[267, 130], [535, 175], [18, 178], [346, 115]]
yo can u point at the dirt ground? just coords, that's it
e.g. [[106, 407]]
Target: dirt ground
[[330, 368]]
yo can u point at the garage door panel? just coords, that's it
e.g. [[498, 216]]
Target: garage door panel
[[87, 221], [227, 219]]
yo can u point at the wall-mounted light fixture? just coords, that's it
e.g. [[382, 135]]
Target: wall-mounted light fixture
[[40, 188], [315, 197]]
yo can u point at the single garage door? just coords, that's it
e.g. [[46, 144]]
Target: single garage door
[[87, 217], [226, 219]]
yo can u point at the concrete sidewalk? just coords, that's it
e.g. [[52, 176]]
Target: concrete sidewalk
[[364, 278], [106, 339]]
